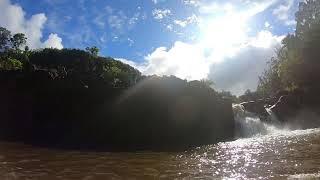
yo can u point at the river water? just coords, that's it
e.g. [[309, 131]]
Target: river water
[[279, 155], [263, 151]]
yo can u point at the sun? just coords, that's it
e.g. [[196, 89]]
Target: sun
[[224, 34]]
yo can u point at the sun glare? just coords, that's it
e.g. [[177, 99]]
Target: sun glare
[[224, 34]]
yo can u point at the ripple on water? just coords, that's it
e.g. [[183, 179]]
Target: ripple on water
[[286, 154]]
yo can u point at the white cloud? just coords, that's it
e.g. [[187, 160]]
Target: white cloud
[[267, 24], [218, 7], [170, 27], [189, 20], [159, 14], [191, 61], [130, 41], [192, 2], [183, 60], [54, 41], [240, 72], [283, 12], [136, 17], [140, 67], [265, 39], [226, 51], [13, 18], [158, 1], [215, 7], [181, 23], [119, 22]]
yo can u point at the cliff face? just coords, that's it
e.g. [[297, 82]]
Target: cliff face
[[81, 112]]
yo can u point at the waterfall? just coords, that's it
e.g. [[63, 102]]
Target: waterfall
[[249, 124], [273, 118]]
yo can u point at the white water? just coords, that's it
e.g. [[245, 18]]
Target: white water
[[249, 125], [271, 152]]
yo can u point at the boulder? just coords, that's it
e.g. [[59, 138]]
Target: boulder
[[286, 107], [257, 108]]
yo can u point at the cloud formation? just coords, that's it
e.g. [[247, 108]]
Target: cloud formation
[[120, 22], [158, 1], [54, 41], [283, 12], [159, 14], [189, 20], [241, 72], [227, 52], [13, 18], [183, 60]]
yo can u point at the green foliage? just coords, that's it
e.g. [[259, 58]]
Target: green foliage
[[121, 75], [80, 63], [307, 17], [296, 65], [9, 42], [93, 50], [207, 82], [84, 65], [229, 96], [270, 82], [249, 96], [5, 36], [18, 40], [10, 64]]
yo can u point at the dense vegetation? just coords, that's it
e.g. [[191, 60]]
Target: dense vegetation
[[296, 64], [75, 98], [290, 84]]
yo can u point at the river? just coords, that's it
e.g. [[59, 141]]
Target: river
[[282, 154], [262, 151]]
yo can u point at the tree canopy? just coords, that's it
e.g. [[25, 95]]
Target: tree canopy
[[296, 64]]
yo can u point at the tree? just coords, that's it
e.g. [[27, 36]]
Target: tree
[[269, 81], [10, 64], [207, 82], [93, 50], [228, 95], [5, 36], [307, 17], [18, 40], [296, 64]]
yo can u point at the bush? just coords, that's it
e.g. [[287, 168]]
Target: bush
[[10, 64]]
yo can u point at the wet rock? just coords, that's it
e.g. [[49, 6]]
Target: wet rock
[[256, 107], [288, 106]]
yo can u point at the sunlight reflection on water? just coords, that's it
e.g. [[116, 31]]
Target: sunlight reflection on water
[[280, 155]]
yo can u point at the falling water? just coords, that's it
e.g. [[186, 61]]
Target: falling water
[[249, 124], [272, 116]]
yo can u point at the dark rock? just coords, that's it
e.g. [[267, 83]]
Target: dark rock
[[288, 105], [257, 108]]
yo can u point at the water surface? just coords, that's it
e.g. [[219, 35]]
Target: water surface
[[279, 155]]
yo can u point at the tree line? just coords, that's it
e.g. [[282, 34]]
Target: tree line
[[79, 99], [16, 56], [296, 64]]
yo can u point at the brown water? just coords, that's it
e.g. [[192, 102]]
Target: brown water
[[281, 155]]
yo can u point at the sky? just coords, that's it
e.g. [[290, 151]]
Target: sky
[[226, 41]]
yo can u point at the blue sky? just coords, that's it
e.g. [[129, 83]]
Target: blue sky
[[192, 39]]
